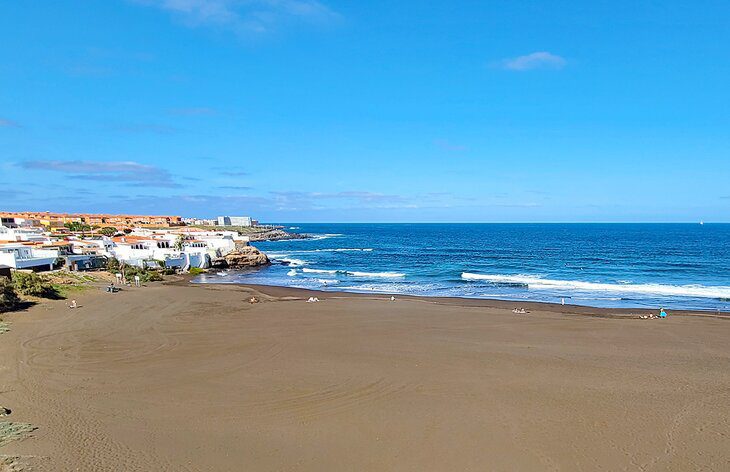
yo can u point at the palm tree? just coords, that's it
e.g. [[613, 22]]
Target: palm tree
[[179, 242]]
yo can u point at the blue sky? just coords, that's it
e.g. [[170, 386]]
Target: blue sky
[[298, 110]]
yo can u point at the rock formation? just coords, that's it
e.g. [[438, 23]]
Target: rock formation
[[275, 235], [243, 257]]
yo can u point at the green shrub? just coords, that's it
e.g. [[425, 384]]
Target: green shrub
[[145, 275], [9, 299], [196, 271], [113, 265], [33, 285], [108, 231]]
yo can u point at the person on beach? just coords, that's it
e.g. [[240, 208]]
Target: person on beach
[[651, 316], [72, 304], [136, 281]]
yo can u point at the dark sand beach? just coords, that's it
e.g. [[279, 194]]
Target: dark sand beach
[[184, 377]]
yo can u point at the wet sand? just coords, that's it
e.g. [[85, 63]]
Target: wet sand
[[181, 377]]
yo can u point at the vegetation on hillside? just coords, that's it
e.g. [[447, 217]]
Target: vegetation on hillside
[[75, 226], [9, 299], [145, 275], [34, 285]]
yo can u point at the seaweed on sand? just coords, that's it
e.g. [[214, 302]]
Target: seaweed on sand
[[10, 431]]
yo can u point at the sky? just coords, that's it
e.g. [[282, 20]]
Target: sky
[[377, 111]]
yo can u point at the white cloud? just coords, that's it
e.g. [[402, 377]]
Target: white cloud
[[129, 172], [245, 16], [535, 60]]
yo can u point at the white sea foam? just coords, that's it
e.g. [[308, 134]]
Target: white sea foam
[[536, 283], [293, 262], [278, 255], [314, 251], [319, 271], [317, 237], [388, 275], [292, 273], [328, 281], [381, 288]]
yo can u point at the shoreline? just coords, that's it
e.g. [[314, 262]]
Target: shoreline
[[182, 376], [575, 309]]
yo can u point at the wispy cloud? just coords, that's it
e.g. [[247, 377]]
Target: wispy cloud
[[245, 16], [5, 123], [129, 172], [535, 60], [199, 111], [232, 173], [234, 187]]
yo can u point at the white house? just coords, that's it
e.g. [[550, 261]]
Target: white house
[[23, 256], [22, 234], [146, 252]]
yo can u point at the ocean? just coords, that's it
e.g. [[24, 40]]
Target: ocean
[[677, 266]]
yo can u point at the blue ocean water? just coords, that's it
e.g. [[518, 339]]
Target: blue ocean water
[[677, 266]]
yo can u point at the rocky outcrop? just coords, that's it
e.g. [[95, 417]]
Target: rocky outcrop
[[275, 235], [243, 257]]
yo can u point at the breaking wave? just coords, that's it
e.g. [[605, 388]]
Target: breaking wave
[[355, 273], [537, 283], [319, 271], [292, 262]]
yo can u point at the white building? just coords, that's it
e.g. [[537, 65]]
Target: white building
[[22, 256], [234, 221], [180, 248], [22, 234]]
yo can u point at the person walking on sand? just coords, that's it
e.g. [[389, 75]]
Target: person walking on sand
[[136, 281], [119, 278]]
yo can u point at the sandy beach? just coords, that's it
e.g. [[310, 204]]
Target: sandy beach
[[185, 377]]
